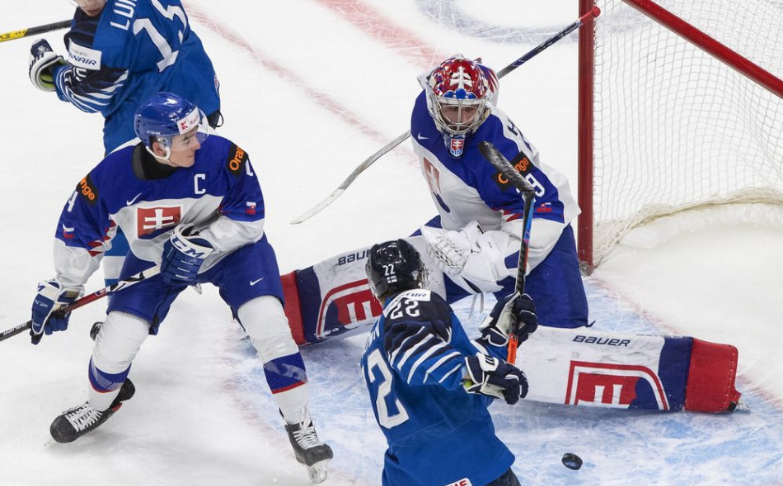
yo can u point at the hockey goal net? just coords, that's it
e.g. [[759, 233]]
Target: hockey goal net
[[681, 106]]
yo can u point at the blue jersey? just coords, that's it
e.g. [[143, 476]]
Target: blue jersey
[[132, 49], [219, 194], [438, 434]]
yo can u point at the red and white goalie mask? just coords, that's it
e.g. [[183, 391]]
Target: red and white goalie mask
[[457, 94]]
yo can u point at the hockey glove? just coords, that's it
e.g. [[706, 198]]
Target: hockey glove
[[495, 378], [514, 313], [42, 63], [183, 255], [52, 295], [474, 259]]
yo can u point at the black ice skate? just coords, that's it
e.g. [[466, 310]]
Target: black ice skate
[[77, 421], [309, 450]]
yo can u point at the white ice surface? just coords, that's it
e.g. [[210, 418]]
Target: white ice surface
[[310, 89]]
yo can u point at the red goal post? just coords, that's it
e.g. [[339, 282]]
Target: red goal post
[[680, 106]]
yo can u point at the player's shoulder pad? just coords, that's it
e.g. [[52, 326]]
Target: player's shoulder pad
[[237, 158]]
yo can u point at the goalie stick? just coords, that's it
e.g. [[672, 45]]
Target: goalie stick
[[87, 299], [505, 168], [18, 34], [592, 14]]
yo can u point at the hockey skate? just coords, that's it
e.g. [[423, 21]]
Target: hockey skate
[[77, 421], [310, 451]]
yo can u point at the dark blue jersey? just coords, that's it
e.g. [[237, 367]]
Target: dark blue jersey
[[132, 49], [437, 433]]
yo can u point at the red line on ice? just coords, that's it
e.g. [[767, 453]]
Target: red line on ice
[[376, 25]]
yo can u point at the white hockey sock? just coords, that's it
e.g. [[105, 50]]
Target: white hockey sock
[[293, 404], [115, 348]]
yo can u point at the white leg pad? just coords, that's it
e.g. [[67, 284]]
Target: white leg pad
[[267, 326], [115, 348]]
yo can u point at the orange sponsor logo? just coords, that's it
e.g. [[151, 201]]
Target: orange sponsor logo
[[236, 163], [86, 189]]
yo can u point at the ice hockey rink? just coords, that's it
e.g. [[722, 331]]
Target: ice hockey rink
[[310, 88]]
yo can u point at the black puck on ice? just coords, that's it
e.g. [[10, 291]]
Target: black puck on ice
[[572, 461]]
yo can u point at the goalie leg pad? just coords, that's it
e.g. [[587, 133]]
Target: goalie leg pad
[[333, 298], [602, 369], [711, 376]]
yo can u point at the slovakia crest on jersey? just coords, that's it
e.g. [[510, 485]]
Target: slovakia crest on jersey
[[150, 222], [457, 147]]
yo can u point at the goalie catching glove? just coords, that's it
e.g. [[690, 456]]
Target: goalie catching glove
[[474, 259], [43, 61], [52, 296], [490, 376], [183, 255], [513, 314]]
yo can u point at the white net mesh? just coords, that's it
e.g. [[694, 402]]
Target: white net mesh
[[676, 128]]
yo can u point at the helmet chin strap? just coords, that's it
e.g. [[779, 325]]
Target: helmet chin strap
[[168, 152]]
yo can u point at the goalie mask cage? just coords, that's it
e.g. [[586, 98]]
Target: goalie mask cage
[[680, 106]]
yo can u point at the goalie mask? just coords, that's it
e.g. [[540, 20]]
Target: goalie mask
[[393, 267], [457, 94]]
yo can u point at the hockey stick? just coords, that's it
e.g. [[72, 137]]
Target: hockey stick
[[87, 299], [508, 171], [18, 34], [593, 13]]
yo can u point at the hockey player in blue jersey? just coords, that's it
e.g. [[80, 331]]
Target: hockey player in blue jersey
[[120, 52], [192, 205], [430, 385], [475, 240]]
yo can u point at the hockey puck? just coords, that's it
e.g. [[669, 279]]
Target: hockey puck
[[572, 461]]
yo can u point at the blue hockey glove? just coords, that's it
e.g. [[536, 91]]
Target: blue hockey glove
[[512, 311], [42, 63], [52, 295], [495, 378], [183, 255]]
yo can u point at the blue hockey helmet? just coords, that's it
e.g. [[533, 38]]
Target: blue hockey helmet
[[163, 116], [393, 267]]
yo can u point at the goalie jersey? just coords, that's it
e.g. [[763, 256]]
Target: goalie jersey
[[471, 189], [413, 364], [132, 49]]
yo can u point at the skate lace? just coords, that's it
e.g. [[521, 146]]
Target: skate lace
[[83, 416], [306, 436]]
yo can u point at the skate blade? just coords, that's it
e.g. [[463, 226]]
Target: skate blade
[[317, 472]]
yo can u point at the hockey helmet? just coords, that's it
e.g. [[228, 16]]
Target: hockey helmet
[[163, 116], [393, 267]]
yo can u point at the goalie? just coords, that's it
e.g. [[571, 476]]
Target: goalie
[[472, 246]]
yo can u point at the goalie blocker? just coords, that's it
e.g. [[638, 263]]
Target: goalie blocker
[[567, 366]]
